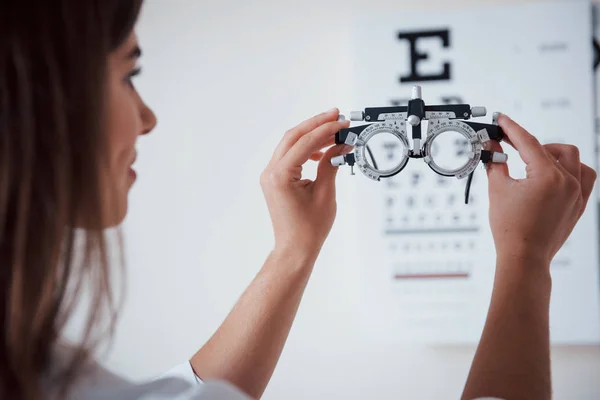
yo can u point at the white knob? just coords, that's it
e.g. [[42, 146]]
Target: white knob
[[341, 118], [357, 115], [495, 117], [416, 92], [499, 157], [413, 120], [338, 160], [478, 112]]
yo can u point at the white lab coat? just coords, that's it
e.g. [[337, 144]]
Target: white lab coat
[[179, 383]]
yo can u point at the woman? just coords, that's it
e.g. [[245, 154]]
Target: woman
[[69, 119]]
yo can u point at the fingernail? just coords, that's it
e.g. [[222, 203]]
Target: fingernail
[[333, 110], [347, 148]]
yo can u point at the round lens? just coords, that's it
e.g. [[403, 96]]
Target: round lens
[[384, 151], [450, 151]]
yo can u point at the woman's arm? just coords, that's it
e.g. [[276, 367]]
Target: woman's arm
[[513, 357], [247, 346], [531, 219]]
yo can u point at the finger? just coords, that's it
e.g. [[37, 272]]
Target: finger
[[567, 156], [505, 139], [311, 143], [588, 180], [316, 156], [293, 135], [329, 142], [529, 148], [319, 154], [326, 172], [497, 172]]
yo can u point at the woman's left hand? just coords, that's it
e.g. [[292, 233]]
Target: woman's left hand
[[302, 211]]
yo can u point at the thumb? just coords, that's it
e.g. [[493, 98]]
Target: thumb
[[326, 172], [497, 172]]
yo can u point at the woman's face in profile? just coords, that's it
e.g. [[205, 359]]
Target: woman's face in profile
[[127, 117]]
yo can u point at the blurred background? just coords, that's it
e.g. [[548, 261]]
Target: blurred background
[[226, 80]]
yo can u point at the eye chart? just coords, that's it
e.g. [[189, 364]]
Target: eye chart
[[427, 259]]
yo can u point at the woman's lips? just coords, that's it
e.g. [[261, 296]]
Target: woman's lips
[[132, 173]]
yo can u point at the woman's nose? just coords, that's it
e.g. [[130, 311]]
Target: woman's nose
[[148, 119]]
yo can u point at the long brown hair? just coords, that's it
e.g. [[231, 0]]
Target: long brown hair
[[53, 65]]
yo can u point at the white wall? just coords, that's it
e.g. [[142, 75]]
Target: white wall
[[227, 79]]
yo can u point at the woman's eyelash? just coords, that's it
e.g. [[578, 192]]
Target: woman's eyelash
[[132, 75]]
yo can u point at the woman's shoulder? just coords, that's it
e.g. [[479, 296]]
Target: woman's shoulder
[[179, 383], [90, 374]]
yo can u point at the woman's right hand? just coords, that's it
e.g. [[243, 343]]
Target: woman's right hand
[[532, 218]]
